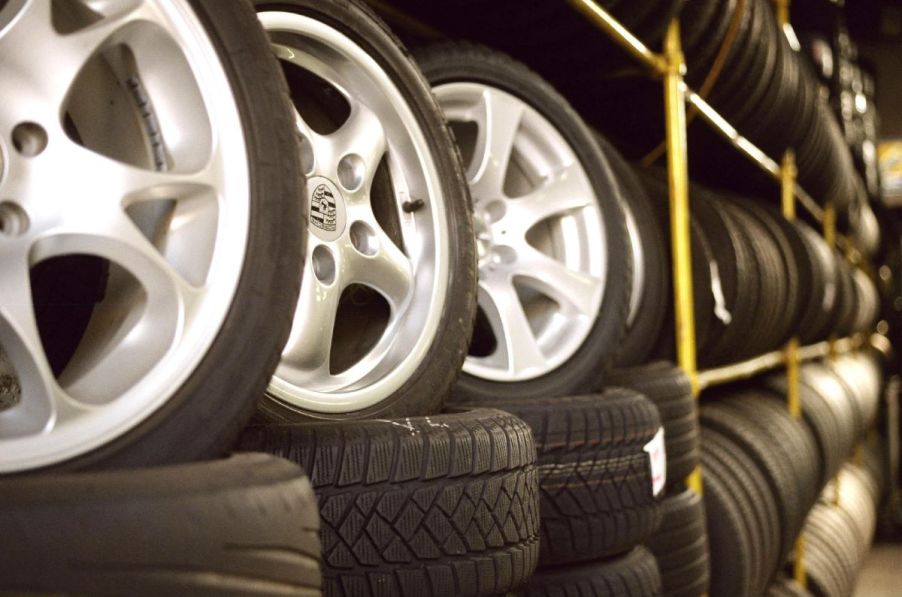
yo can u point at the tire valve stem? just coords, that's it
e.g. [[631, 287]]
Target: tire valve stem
[[412, 206]]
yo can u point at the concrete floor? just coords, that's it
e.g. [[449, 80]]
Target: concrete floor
[[882, 572]]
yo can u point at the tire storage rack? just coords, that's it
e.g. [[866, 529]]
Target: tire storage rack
[[670, 67], [353, 477]]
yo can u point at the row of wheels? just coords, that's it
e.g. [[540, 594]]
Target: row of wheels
[[301, 200], [307, 219], [382, 231]]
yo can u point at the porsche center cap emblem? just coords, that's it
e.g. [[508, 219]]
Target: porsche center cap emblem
[[327, 209]]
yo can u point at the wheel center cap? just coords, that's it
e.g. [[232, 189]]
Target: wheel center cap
[[327, 216]]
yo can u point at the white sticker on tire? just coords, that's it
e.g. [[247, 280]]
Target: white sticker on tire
[[657, 455]]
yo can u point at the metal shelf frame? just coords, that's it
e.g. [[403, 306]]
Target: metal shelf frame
[[670, 67]]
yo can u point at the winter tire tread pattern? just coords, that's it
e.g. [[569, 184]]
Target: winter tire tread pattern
[[434, 506]]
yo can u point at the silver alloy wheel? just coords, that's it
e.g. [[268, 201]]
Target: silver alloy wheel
[[350, 245], [121, 139], [541, 240], [638, 253]]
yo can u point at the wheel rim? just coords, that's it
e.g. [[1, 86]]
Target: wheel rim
[[377, 222], [638, 253], [540, 238], [133, 155]]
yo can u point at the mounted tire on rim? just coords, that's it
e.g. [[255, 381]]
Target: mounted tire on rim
[[141, 236], [555, 266], [387, 299]]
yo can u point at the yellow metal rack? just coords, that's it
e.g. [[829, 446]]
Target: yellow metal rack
[[670, 66]]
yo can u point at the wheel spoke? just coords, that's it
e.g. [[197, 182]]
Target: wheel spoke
[[30, 44], [498, 120], [152, 315], [22, 347], [553, 278], [101, 183], [361, 134], [564, 191], [389, 271], [310, 342], [508, 320]]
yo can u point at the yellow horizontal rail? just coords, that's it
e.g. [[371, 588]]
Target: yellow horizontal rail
[[771, 360], [620, 34]]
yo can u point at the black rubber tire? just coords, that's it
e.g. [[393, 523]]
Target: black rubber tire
[[632, 575], [654, 180], [731, 547], [821, 418], [817, 324], [669, 388], [738, 282], [246, 525], [759, 446], [791, 438], [585, 369], [424, 392], [204, 415], [439, 505], [746, 485], [787, 285], [644, 330], [824, 382], [681, 546], [595, 475]]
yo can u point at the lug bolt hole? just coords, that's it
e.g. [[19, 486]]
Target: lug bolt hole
[[503, 255], [364, 239], [29, 139], [308, 159], [351, 170], [495, 210], [323, 264], [13, 219]]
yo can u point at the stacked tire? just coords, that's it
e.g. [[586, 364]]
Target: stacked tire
[[680, 544], [600, 466], [751, 268], [437, 505], [761, 477], [247, 524], [840, 528], [764, 470]]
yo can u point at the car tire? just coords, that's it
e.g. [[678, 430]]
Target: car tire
[[669, 388], [389, 293], [598, 494], [208, 330], [244, 525], [651, 288], [438, 505], [527, 283], [634, 574], [681, 545]]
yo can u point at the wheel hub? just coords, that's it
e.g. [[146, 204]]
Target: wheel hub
[[328, 216], [495, 243]]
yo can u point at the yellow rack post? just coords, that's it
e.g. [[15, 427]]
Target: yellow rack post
[[678, 178], [787, 186], [793, 400]]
